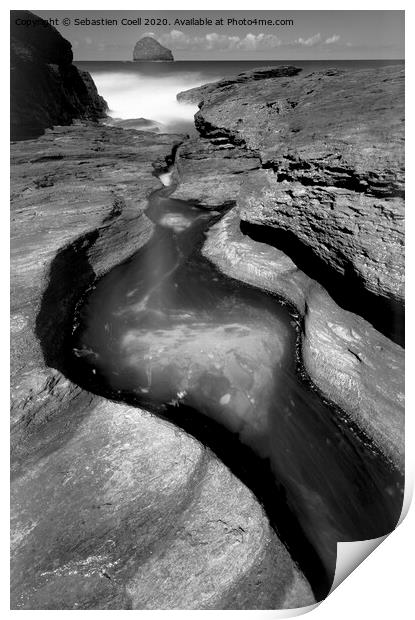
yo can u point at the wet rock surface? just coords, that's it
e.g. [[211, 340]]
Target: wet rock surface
[[141, 124], [46, 88], [112, 508], [210, 172]]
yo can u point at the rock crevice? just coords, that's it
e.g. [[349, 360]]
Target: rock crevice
[[106, 498]]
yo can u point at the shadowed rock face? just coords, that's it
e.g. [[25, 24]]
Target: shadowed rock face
[[148, 48], [46, 88]]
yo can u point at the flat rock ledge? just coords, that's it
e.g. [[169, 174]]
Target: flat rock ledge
[[112, 507]]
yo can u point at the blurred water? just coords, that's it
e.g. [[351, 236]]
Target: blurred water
[[166, 327], [135, 90]]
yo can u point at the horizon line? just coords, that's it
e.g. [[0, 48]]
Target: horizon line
[[237, 59]]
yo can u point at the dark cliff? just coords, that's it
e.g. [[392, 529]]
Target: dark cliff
[[46, 88]]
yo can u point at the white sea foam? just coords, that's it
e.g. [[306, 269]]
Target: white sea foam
[[136, 95], [166, 178]]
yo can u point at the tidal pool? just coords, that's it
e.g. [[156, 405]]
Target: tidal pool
[[167, 331]]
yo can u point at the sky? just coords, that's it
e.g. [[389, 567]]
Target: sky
[[313, 35]]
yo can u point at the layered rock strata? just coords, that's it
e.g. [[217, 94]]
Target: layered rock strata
[[200, 93], [78, 196], [320, 198], [333, 174], [353, 365]]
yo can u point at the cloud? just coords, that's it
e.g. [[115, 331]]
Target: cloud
[[310, 41], [317, 40], [178, 40], [332, 39]]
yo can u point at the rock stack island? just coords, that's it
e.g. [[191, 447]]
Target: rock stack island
[[149, 49]]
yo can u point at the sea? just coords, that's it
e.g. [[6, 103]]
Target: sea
[[147, 90]]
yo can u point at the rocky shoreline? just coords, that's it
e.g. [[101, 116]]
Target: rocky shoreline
[[269, 151], [77, 212], [112, 507]]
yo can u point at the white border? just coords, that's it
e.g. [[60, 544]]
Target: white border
[[380, 587]]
